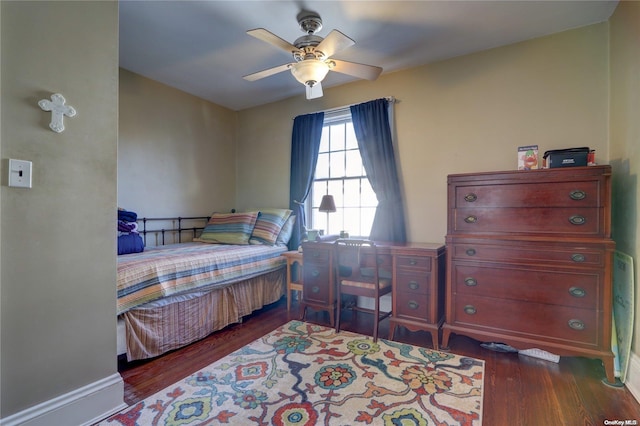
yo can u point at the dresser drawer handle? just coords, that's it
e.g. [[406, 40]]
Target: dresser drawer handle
[[315, 273], [471, 252], [577, 292], [413, 262], [315, 289], [471, 219], [470, 282], [413, 305], [470, 309], [413, 285], [316, 254], [470, 198], [576, 324], [577, 220], [578, 257], [578, 195]]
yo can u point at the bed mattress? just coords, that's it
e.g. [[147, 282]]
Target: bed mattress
[[188, 268]]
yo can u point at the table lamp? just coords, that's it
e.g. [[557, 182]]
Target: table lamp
[[327, 205]]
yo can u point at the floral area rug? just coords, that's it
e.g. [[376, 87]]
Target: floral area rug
[[306, 374]]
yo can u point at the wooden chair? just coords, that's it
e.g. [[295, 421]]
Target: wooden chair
[[357, 273]]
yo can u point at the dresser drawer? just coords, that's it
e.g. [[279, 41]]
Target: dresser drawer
[[412, 282], [530, 195], [528, 284], [411, 306], [530, 320], [562, 254], [563, 221], [421, 262]]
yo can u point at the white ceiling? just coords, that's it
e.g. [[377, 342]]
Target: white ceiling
[[201, 47]]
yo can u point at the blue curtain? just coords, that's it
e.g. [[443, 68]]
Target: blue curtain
[[371, 126], [305, 144]]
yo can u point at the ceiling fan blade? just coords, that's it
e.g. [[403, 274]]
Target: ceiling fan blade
[[334, 42], [314, 91], [266, 73], [271, 38], [368, 72]]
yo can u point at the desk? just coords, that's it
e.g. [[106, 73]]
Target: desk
[[293, 257], [418, 274]]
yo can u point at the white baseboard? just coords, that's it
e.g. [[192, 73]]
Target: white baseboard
[[84, 406], [632, 381]]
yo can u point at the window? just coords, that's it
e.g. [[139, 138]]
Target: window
[[339, 172]]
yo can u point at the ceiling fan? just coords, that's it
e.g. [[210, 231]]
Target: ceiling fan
[[312, 55]]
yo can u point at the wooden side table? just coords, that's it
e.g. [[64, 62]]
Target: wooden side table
[[292, 258]]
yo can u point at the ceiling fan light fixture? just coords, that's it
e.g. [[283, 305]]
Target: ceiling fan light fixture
[[312, 55], [310, 71]]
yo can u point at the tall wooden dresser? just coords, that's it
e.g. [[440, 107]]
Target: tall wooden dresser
[[529, 259]]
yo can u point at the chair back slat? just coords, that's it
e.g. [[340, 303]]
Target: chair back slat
[[356, 260], [358, 273]]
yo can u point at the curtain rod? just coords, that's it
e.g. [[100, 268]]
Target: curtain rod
[[347, 108]]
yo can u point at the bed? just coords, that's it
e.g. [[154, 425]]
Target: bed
[[174, 294]]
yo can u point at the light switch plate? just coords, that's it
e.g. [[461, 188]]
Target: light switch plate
[[20, 173]]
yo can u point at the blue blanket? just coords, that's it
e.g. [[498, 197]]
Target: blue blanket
[[127, 216], [130, 243]]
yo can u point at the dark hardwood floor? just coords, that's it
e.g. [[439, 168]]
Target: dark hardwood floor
[[518, 390]]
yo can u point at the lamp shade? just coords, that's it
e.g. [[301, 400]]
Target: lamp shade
[[309, 71], [327, 204]]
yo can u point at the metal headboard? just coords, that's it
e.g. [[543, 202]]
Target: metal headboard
[[175, 229]]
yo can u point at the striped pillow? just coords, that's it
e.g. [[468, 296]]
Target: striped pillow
[[229, 228], [269, 225], [287, 230]]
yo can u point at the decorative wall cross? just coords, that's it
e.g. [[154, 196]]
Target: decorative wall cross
[[58, 111]]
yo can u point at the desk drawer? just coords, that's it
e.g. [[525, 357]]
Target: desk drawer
[[384, 263], [412, 282], [312, 254], [412, 306], [421, 262], [316, 283]]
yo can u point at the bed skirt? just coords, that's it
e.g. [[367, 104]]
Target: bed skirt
[[152, 331]]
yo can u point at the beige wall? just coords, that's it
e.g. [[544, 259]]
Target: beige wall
[[466, 114], [625, 136], [462, 115], [176, 152], [58, 247]]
